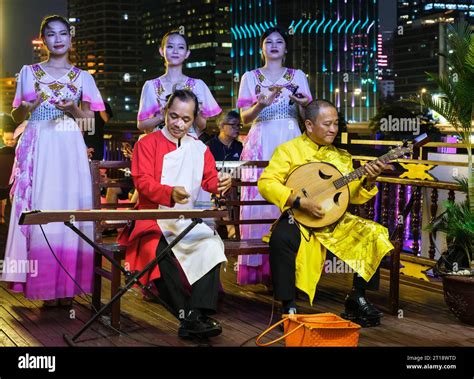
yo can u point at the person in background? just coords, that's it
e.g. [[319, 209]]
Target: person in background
[[95, 139], [225, 146]]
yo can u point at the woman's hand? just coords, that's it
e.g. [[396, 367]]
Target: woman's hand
[[66, 105], [264, 101], [299, 99], [30, 106]]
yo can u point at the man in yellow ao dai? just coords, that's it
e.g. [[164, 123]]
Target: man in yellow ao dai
[[360, 243]]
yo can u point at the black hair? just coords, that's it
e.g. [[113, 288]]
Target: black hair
[[51, 18], [271, 30], [185, 96], [274, 29], [312, 110], [226, 116], [170, 33]]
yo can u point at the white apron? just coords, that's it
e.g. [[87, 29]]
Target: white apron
[[201, 249]]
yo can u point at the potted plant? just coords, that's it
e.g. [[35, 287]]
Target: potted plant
[[456, 105], [455, 264]]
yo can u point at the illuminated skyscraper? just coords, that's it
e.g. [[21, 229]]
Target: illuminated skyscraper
[[107, 43], [206, 25], [418, 40], [38, 51], [413, 10], [334, 42]]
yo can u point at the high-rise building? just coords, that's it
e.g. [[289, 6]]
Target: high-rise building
[[333, 42], [417, 47], [107, 43], [409, 11], [39, 53], [7, 91], [206, 25]]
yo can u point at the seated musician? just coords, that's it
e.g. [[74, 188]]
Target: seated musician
[[297, 254], [168, 169]]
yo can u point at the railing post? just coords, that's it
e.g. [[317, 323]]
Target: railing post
[[434, 211], [415, 220]]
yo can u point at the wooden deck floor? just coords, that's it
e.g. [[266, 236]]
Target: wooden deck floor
[[244, 312]]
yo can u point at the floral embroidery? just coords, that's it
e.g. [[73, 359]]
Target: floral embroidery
[[38, 71], [259, 75], [73, 74], [258, 89], [72, 88], [289, 74], [159, 89], [189, 85], [37, 87], [44, 96]]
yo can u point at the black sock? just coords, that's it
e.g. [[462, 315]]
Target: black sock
[[193, 314], [359, 291], [287, 304]]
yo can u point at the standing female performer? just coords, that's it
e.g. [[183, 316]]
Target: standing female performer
[[175, 50], [270, 98], [52, 172]]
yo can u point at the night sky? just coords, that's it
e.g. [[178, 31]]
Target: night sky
[[22, 23], [23, 17]]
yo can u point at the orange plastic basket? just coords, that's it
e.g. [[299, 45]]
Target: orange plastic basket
[[323, 329]]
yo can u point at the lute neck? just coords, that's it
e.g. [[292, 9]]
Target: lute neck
[[360, 172]]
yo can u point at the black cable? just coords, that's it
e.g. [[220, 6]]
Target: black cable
[[269, 324], [88, 299], [66, 271]]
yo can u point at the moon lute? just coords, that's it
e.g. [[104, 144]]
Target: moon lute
[[328, 187]]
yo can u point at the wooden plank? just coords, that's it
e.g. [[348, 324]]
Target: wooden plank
[[16, 332], [5, 340]]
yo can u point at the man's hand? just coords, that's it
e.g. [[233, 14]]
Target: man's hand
[[373, 170], [127, 150], [180, 195], [312, 207], [224, 183], [90, 152]]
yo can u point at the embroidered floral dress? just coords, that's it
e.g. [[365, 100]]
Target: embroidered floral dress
[[154, 97], [276, 124], [51, 173]]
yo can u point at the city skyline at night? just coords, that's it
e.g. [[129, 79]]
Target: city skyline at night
[[338, 55]]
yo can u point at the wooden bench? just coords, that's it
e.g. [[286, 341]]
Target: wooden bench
[[114, 250], [237, 245]]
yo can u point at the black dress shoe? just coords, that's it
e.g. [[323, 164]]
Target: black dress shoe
[[200, 327], [361, 311]]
